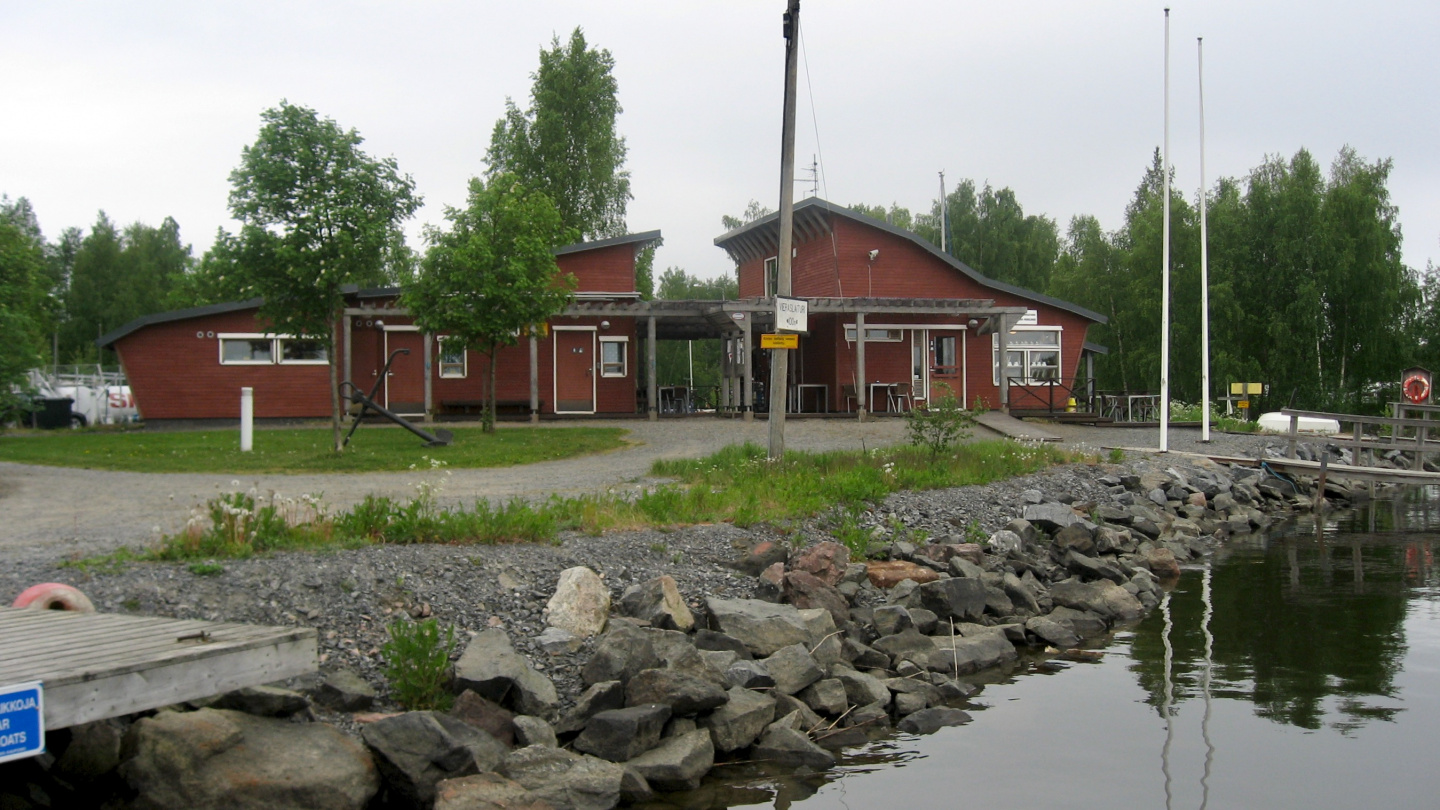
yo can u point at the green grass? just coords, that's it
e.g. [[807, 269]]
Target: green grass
[[301, 450], [737, 485]]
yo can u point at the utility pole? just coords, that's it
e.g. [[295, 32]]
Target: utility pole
[[944, 241], [779, 358], [1165, 262]]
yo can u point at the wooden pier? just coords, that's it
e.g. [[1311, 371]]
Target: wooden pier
[[95, 666]]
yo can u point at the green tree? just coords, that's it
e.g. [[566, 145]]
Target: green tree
[[317, 213], [674, 358], [752, 212], [24, 304], [565, 145], [492, 276]]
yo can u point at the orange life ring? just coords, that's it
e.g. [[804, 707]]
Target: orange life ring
[[54, 596], [1417, 389]]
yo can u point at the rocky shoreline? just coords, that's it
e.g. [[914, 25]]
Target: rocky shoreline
[[614, 670]]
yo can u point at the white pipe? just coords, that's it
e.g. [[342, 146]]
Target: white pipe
[[247, 419], [1165, 262], [1204, 265]]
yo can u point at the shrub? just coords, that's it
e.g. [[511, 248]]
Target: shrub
[[940, 424], [417, 664]]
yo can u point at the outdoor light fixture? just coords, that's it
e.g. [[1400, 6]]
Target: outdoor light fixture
[[873, 254], [604, 324], [972, 323]]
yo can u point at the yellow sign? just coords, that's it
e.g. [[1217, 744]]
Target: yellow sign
[[774, 341], [1243, 404], [1238, 389]]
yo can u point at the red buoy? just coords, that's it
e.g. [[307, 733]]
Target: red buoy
[[54, 596]]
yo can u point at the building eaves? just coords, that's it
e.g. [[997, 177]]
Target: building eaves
[[640, 240], [772, 222], [105, 340]]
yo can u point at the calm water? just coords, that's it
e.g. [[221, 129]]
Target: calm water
[[1300, 669]]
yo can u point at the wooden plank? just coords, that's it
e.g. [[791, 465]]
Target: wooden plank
[[89, 700], [152, 659], [59, 661], [19, 642]]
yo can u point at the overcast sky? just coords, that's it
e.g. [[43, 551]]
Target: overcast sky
[[141, 108]]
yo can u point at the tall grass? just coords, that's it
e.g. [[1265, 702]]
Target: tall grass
[[739, 485]]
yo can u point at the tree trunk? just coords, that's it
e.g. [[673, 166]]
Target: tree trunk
[[488, 423]]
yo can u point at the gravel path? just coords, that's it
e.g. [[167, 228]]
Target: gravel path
[[56, 512]]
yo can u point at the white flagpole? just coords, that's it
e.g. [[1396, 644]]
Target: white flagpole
[[1165, 262], [1204, 264]]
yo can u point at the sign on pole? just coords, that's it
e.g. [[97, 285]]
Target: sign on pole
[[792, 314], [22, 721], [778, 341]]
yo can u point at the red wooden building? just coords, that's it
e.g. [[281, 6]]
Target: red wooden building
[[924, 319], [192, 363]]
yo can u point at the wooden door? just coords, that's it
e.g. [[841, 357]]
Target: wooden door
[[574, 371], [947, 371], [405, 385]]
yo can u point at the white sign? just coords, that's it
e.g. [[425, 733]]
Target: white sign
[[792, 314], [22, 721], [1030, 318]]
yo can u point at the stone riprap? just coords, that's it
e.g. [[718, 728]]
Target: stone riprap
[[837, 654]]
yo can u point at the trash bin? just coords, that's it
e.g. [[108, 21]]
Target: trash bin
[[53, 413]]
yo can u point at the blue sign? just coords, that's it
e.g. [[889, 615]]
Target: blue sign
[[22, 721]]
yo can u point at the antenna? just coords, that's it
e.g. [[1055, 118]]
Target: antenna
[[814, 179]]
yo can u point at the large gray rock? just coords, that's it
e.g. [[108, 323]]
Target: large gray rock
[[862, 689], [678, 763], [486, 715], [534, 731], [928, 721], [907, 646], [891, 619], [684, 693], [804, 590], [485, 791], [1085, 623], [599, 697], [762, 626], [621, 734], [416, 750], [962, 599], [563, 780], [620, 655], [264, 701], [1094, 568], [214, 758], [966, 654], [749, 675], [1051, 517], [705, 639], [1057, 634], [792, 668], [492, 668], [1020, 595], [792, 748], [1075, 537], [659, 602], [826, 696], [743, 717], [1105, 598], [581, 603], [345, 691]]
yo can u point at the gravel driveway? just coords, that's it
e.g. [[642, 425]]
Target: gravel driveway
[[52, 512], [56, 512]]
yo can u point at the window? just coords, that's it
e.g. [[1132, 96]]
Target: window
[[945, 361], [613, 355], [452, 358], [772, 276], [264, 350], [875, 334], [1032, 356], [300, 351], [246, 350]]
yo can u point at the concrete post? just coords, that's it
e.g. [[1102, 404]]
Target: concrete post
[[534, 378], [247, 419], [653, 387], [747, 387], [862, 385]]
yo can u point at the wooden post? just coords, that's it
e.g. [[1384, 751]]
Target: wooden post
[[425, 341], [534, 377], [862, 383], [1004, 342], [780, 358], [1294, 435], [653, 388], [747, 387], [349, 376], [1320, 485]]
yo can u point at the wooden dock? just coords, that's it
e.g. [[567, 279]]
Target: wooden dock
[[95, 665]]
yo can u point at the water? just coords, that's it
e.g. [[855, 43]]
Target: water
[[1300, 669]]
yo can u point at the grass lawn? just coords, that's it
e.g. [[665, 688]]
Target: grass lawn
[[301, 450]]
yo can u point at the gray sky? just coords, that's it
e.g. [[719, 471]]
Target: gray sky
[[141, 108]]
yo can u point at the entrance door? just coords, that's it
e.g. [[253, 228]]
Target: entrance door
[[946, 369], [574, 371], [405, 385]]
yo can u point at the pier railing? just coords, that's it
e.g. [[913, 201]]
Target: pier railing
[[1378, 433]]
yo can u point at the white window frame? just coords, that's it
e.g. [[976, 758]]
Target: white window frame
[[247, 336], [624, 342], [771, 277], [440, 363], [1028, 365], [279, 352], [887, 334]]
